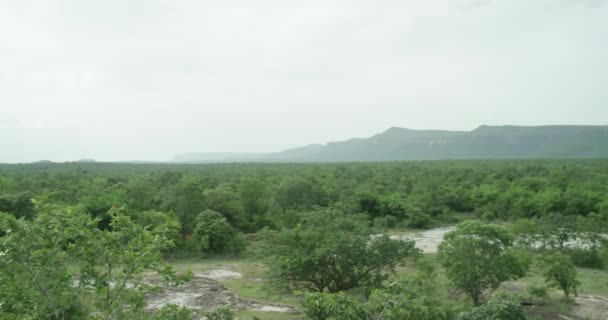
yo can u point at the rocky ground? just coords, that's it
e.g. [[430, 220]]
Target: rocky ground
[[205, 292]]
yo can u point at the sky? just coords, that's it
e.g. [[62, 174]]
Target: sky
[[145, 80]]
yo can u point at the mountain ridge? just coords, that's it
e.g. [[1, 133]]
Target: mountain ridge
[[483, 142]]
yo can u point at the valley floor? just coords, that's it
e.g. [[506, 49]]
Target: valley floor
[[238, 283]]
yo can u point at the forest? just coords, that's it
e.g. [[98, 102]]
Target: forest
[[524, 239]]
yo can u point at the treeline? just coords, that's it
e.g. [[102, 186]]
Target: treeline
[[77, 240], [254, 196]]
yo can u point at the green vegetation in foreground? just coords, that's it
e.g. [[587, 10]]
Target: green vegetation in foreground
[[312, 236]]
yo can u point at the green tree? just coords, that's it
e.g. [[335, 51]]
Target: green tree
[[559, 271], [167, 223], [408, 298], [298, 193], [214, 234], [114, 262], [332, 252], [254, 196], [35, 282], [335, 306], [227, 202], [477, 257], [185, 198]]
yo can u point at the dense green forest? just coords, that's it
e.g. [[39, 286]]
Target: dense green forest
[[107, 226]]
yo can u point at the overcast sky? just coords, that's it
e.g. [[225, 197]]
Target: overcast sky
[[124, 79]]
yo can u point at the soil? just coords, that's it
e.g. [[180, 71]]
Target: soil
[[205, 293], [428, 241]]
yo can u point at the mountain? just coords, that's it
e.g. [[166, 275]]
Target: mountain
[[218, 157], [485, 142]]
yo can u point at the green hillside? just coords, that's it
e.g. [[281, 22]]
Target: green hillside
[[485, 142]]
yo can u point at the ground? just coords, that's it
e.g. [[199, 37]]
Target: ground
[[239, 284]]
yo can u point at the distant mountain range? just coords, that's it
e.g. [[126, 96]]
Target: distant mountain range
[[485, 142]]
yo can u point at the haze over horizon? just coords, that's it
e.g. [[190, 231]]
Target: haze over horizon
[[145, 80]]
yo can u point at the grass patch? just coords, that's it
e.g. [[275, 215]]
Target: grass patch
[[247, 315]]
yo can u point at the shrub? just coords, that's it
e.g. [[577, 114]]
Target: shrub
[[495, 310], [386, 221], [476, 258], [419, 219], [586, 258], [172, 312], [214, 234], [559, 271], [221, 313]]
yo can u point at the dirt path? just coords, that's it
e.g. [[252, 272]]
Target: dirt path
[[590, 307], [205, 292]]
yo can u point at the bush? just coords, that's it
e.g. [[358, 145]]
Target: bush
[[214, 234], [559, 271], [476, 257], [495, 310], [538, 292], [221, 313], [332, 252], [419, 219], [386, 221], [172, 312], [322, 306], [587, 258]]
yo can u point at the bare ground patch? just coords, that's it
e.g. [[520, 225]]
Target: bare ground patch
[[206, 293]]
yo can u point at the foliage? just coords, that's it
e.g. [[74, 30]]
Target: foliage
[[336, 306], [113, 263], [214, 234], [559, 271], [220, 314], [34, 257], [409, 298], [331, 251], [165, 223], [587, 258], [477, 257], [224, 200], [171, 312], [495, 310], [255, 196]]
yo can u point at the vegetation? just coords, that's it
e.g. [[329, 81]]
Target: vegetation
[[92, 240], [559, 271], [332, 252], [476, 257]]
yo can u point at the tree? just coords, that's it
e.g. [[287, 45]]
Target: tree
[[559, 271], [331, 252], [185, 198], [167, 223], [254, 197], [227, 202], [114, 261], [35, 282], [409, 298], [335, 306], [19, 205], [298, 193], [214, 234], [477, 257]]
